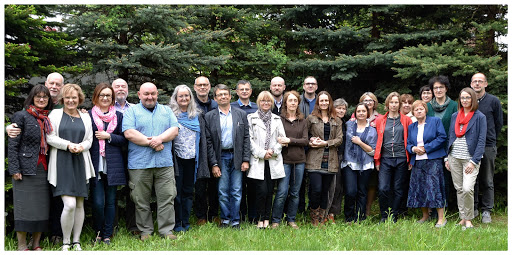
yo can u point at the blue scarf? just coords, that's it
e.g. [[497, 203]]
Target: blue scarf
[[192, 124], [355, 150]]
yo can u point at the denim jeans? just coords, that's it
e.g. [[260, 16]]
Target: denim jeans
[[103, 207], [289, 185], [356, 192], [185, 193], [485, 180], [230, 190], [392, 185]]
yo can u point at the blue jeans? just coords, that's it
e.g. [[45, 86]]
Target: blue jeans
[[282, 192], [356, 193], [392, 185], [185, 193], [103, 207], [230, 190]]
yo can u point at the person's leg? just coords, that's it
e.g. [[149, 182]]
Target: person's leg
[[385, 177], [424, 214], [98, 206], [486, 176], [67, 219], [36, 237], [22, 240], [79, 219], [187, 197], [315, 180], [56, 207], [325, 188], [372, 190], [302, 193], [399, 185], [200, 200], [295, 184], [141, 183], [468, 183], [338, 195], [165, 189], [269, 183], [110, 210], [223, 190], [235, 194], [243, 203], [281, 194], [363, 178], [350, 184], [178, 206], [456, 170], [213, 198]]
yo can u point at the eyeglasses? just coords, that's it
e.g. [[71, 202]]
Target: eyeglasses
[[244, 89], [367, 101], [222, 95], [203, 85], [105, 96], [477, 82], [266, 101], [41, 97], [310, 84], [439, 87], [465, 98]]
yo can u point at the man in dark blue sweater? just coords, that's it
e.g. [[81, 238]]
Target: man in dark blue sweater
[[490, 106]]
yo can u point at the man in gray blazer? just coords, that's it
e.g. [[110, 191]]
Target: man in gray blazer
[[227, 136]]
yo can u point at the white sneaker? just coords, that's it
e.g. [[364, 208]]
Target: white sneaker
[[486, 217], [65, 247], [77, 247]]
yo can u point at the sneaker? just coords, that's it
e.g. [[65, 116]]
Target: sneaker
[[293, 225], [76, 246], [486, 217], [224, 225], [275, 225], [65, 247], [144, 237], [171, 236]]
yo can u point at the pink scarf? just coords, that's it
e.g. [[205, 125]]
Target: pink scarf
[[100, 117]]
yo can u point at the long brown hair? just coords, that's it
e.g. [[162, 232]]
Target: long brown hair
[[284, 112], [331, 110]]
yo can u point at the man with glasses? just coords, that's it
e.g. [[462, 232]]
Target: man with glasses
[[308, 98], [490, 106], [277, 88], [227, 136], [206, 204], [244, 91]]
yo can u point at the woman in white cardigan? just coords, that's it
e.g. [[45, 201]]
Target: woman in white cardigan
[[70, 166], [266, 160]]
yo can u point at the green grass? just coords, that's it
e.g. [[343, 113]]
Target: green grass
[[367, 236]]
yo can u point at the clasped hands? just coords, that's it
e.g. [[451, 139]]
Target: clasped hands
[[316, 142], [75, 148], [155, 142]]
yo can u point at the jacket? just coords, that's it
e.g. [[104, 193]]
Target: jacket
[[202, 171], [314, 155], [476, 133], [450, 109], [58, 143], [23, 151], [371, 140], [258, 133], [116, 169], [297, 131], [241, 141], [380, 125], [304, 105], [434, 138]]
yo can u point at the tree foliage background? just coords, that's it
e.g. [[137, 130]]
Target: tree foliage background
[[350, 49]]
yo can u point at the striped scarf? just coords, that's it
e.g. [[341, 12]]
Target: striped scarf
[[44, 125]]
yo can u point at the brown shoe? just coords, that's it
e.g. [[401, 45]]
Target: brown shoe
[[314, 214], [144, 237], [321, 216], [216, 220], [171, 236], [275, 225], [330, 218], [293, 225], [201, 222]]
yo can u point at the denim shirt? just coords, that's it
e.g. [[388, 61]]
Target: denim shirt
[[371, 140], [149, 124]]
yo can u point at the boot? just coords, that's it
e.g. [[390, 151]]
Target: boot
[[321, 216], [314, 214]]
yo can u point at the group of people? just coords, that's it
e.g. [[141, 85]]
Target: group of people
[[214, 154]]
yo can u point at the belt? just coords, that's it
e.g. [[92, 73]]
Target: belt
[[228, 150]]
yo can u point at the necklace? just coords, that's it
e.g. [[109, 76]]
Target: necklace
[[71, 117]]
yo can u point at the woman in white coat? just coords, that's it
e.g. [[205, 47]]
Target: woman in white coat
[[266, 160], [70, 166]]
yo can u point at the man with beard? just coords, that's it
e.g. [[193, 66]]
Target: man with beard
[[277, 88]]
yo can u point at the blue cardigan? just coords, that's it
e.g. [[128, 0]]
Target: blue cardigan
[[476, 133], [371, 140], [434, 138], [116, 168]]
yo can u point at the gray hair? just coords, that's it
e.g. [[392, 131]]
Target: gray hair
[[221, 87], [340, 101], [192, 108]]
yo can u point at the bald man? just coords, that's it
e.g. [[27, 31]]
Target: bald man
[[277, 87], [150, 128]]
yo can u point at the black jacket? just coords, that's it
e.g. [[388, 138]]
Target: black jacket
[[23, 151]]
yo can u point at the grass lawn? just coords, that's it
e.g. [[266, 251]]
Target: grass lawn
[[367, 236]]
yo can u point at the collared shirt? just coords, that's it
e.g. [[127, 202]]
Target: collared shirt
[[249, 108], [278, 104], [120, 108], [226, 128], [149, 124]]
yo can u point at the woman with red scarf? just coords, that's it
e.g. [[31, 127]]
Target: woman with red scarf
[[107, 159], [28, 166], [467, 134]]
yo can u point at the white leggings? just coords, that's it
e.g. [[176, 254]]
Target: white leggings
[[72, 218]]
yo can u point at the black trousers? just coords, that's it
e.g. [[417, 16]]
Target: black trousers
[[262, 193], [206, 204]]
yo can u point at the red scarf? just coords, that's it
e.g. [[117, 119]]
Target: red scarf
[[461, 123], [44, 124]]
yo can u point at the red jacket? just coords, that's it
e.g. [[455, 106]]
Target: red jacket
[[380, 125]]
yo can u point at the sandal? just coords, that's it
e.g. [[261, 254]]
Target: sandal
[[76, 246], [65, 247], [106, 241], [38, 248]]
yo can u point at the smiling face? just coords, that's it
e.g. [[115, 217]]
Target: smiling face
[[71, 100], [148, 95], [120, 90], [244, 91], [223, 97], [54, 83], [369, 102], [277, 87], [183, 98], [479, 83], [340, 111], [465, 100], [41, 100], [426, 96], [202, 87], [105, 98], [323, 102], [394, 104], [406, 107], [361, 113], [310, 85]]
